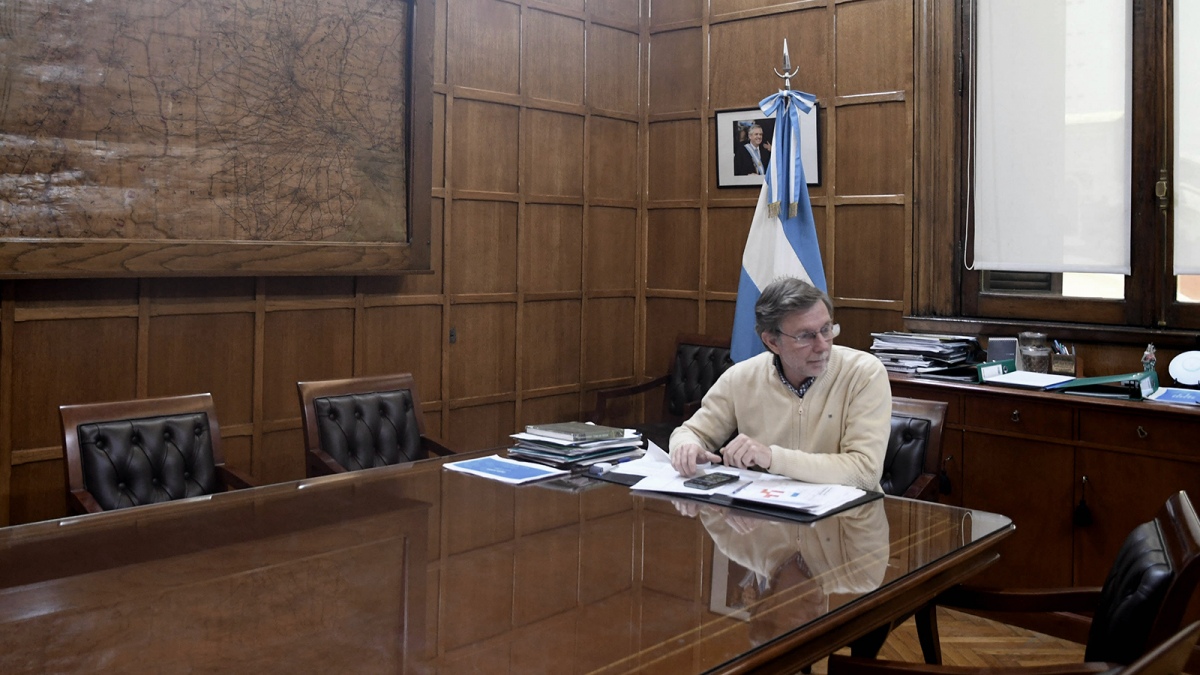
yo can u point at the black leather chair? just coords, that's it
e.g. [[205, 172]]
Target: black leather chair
[[913, 459], [1141, 605], [362, 423], [130, 453], [699, 361]]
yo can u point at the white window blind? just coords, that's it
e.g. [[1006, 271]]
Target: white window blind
[[1186, 176], [1052, 136]]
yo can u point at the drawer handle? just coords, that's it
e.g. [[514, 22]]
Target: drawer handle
[[1142, 433], [1016, 416]]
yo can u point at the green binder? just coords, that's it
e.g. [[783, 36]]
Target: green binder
[[1133, 386]]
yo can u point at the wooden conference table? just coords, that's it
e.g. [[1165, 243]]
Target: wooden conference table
[[417, 569]]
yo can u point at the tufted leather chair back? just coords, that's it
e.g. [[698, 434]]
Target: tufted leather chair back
[[361, 431], [699, 361], [363, 423], [130, 453], [914, 446], [1149, 586]]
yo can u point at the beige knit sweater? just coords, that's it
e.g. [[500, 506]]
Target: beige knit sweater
[[836, 434]]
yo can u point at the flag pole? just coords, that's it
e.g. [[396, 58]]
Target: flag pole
[[787, 73]]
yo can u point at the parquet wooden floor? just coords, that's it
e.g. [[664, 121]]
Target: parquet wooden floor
[[969, 640]]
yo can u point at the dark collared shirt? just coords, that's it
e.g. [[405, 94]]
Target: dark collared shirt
[[798, 391]]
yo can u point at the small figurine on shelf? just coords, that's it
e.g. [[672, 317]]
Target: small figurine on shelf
[[1148, 360]]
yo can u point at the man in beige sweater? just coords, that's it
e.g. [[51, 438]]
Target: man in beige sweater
[[804, 409]]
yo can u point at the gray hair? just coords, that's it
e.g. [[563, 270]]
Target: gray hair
[[782, 297]]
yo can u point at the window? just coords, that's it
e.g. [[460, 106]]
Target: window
[[1076, 113]]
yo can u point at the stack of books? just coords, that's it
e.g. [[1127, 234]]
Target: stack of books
[[923, 352], [575, 445]]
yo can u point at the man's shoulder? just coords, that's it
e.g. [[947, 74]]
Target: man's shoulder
[[855, 360]]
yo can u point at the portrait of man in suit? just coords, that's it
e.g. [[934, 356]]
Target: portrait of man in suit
[[751, 153]]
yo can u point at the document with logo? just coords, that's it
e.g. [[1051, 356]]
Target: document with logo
[[505, 470]]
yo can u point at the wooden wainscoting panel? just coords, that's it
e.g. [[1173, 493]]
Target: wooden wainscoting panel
[[68, 294], [674, 236], [482, 426], [718, 318], [308, 289], [184, 291], [575, 6], [482, 241], [606, 567], [621, 11], [819, 214], [886, 25], [553, 58], [545, 409], [546, 568], [484, 146], [608, 343], [303, 345], [676, 60], [415, 284], [675, 160], [858, 324], [870, 258], [485, 45], [727, 230], [281, 457], [611, 249], [666, 318], [439, 44], [612, 69], [239, 451], [439, 140], [873, 149], [406, 339], [678, 538], [550, 344], [553, 154], [197, 353], [672, 11], [546, 511], [612, 159], [744, 52], [60, 362], [552, 248], [38, 491], [483, 357]]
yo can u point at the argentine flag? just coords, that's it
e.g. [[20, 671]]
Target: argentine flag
[[783, 238]]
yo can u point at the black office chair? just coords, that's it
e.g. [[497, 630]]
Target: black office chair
[[362, 423], [912, 460], [130, 453], [1140, 606], [699, 361]]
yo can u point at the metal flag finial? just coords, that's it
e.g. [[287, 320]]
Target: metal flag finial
[[787, 73]]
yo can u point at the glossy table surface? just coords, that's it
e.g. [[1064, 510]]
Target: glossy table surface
[[417, 569]]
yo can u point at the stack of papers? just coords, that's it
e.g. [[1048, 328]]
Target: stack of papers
[[1025, 379], [564, 453], [920, 352]]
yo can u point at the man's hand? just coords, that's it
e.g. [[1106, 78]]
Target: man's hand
[[686, 457], [744, 452]]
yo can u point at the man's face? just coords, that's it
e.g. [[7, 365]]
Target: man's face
[[802, 361], [756, 136]]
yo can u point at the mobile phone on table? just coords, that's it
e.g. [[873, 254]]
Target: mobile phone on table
[[709, 481]]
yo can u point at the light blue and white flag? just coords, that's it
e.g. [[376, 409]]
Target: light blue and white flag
[[783, 238]]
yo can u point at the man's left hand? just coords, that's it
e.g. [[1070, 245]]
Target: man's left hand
[[744, 452]]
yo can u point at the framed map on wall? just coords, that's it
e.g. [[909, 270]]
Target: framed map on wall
[[190, 137]]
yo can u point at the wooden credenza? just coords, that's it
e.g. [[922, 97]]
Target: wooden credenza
[[1026, 454]]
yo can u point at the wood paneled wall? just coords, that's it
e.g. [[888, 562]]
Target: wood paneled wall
[[577, 228]]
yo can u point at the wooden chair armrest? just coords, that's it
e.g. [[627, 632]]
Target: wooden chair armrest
[[602, 395], [1081, 599], [82, 501], [841, 665], [321, 464], [234, 479], [923, 488], [435, 447]]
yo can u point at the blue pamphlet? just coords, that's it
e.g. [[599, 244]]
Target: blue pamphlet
[[504, 469]]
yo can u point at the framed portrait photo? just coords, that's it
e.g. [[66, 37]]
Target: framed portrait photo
[[744, 147]]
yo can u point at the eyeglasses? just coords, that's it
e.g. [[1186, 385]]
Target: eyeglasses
[[808, 337]]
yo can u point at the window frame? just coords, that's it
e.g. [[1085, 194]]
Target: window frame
[[1150, 289]]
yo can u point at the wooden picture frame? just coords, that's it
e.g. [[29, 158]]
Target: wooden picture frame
[[184, 143], [734, 167]]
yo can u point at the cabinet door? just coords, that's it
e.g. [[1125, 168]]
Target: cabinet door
[[1123, 490], [1030, 482]]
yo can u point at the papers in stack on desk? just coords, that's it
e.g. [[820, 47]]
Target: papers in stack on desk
[[1025, 379]]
